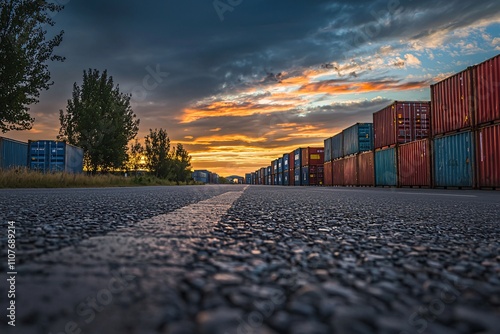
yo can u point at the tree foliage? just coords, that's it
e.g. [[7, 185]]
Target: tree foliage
[[174, 164], [135, 156], [24, 53], [157, 152], [99, 119]]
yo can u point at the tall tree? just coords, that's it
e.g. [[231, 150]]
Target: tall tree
[[181, 164], [99, 119], [157, 153], [24, 53]]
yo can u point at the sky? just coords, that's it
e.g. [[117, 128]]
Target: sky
[[240, 82]]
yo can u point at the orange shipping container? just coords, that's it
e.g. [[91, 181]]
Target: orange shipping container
[[486, 78], [328, 174], [366, 169], [338, 172], [351, 171]]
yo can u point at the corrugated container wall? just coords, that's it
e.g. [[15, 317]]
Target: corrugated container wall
[[280, 165], [13, 153], [305, 176], [451, 104], [328, 174], [313, 156], [486, 79], [401, 122], [274, 167], [414, 160], [454, 160], [351, 171], [248, 178], [338, 172], [286, 178], [358, 138], [297, 177], [488, 160], [297, 158], [338, 146], [366, 169], [328, 149], [55, 156], [386, 173], [286, 162]]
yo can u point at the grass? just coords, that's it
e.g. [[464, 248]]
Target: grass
[[25, 178]]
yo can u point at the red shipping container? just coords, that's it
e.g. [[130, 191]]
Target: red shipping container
[[351, 171], [401, 122], [366, 169], [488, 159], [451, 104], [313, 156], [414, 164], [486, 78], [328, 174], [338, 172]]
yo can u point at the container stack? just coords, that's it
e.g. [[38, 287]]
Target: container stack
[[286, 169], [280, 171], [312, 166], [248, 178], [328, 172], [337, 159], [357, 138], [297, 165], [452, 129], [13, 153], [486, 78], [394, 126]]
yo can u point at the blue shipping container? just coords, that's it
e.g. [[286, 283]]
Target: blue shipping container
[[54, 156], [338, 146], [454, 160], [286, 162], [286, 181], [280, 165], [298, 158], [328, 149], [201, 176], [275, 179], [298, 177], [386, 172], [358, 138], [280, 179], [13, 153], [305, 176], [248, 178]]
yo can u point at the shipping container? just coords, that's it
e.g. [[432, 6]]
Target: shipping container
[[54, 156], [274, 166], [262, 173], [286, 179], [338, 146], [248, 178], [214, 178], [401, 122], [297, 158], [386, 168], [366, 169], [13, 153], [328, 149], [275, 179], [488, 160], [312, 175], [280, 179], [202, 176], [351, 170], [338, 172], [267, 171], [280, 165], [452, 104], [486, 85], [328, 174], [313, 156], [305, 176], [297, 179], [358, 138], [286, 162], [414, 164], [453, 157]]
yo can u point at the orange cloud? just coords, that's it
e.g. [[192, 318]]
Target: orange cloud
[[342, 87]]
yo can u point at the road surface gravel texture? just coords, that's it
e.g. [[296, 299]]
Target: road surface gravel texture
[[253, 259]]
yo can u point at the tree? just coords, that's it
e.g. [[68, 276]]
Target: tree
[[181, 164], [24, 53], [157, 153], [135, 156], [99, 119]]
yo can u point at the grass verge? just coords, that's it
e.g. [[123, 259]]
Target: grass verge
[[31, 179]]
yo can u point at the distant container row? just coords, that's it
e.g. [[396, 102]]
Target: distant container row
[[41, 155], [205, 176], [451, 141]]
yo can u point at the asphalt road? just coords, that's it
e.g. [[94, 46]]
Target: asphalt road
[[251, 259]]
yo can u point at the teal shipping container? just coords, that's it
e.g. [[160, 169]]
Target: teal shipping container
[[297, 181], [337, 146], [328, 149], [454, 160], [13, 153], [386, 170], [54, 156], [358, 138]]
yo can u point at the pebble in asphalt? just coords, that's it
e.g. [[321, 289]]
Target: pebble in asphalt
[[228, 259]]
